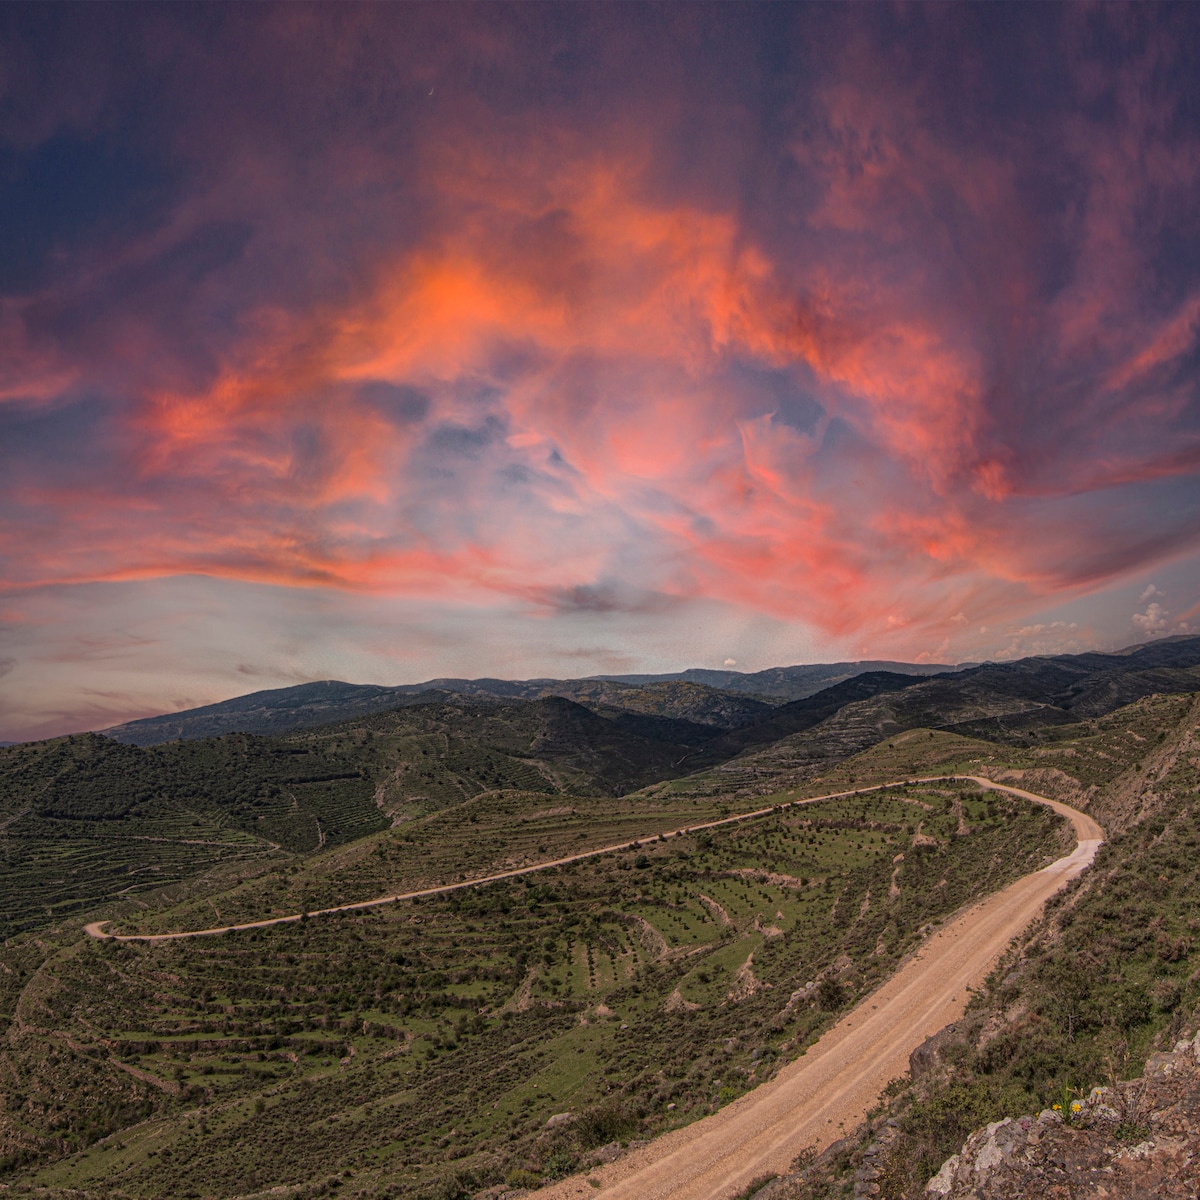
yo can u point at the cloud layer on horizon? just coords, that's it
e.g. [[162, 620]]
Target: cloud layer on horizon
[[860, 319]]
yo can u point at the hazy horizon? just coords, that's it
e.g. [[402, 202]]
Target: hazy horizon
[[389, 342], [433, 680]]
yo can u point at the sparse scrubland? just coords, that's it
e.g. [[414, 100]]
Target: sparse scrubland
[[514, 1033], [1109, 977], [433, 1041]]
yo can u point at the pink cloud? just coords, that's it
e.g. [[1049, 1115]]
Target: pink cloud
[[493, 343]]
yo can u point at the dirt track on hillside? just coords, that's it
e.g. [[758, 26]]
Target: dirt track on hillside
[[818, 1097], [824, 1094], [96, 928], [828, 1091]]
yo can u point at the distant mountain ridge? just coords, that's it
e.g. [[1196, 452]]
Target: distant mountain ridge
[[745, 712], [788, 683], [1003, 702], [726, 699]]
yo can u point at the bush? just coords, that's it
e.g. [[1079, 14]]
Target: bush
[[559, 1165], [608, 1122], [830, 994], [521, 1178]]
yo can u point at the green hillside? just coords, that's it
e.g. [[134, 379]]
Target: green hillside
[[422, 1048], [87, 819], [425, 1047]]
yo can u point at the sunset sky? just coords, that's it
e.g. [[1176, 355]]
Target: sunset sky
[[387, 342]]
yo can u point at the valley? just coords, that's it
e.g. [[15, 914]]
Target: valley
[[552, 992], [658, 948]]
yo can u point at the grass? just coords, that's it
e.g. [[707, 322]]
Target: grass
[[85, 820], [420, 1049], [423, 1044], [1111, 975]]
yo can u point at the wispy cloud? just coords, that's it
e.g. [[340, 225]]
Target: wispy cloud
[[807, 313]]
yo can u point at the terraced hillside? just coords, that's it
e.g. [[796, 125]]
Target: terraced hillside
[[86, 819], [1110, 977], [425, 1047]]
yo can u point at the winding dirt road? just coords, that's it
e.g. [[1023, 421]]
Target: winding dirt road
[[827, 1091], [822, 1095], [96, 928]]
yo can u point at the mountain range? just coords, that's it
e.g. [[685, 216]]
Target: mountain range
[[288, 1056], [718, 715], [723, 698]]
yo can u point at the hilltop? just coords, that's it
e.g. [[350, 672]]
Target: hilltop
[[725, 698], [503, 1037]]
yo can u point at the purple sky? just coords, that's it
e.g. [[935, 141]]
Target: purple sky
[[387, 342]]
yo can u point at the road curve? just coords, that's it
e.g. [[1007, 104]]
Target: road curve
[[828, 1091], [96, 929]]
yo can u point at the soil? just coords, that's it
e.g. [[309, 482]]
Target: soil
[[821, 1096]]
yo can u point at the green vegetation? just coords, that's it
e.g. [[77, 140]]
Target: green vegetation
[[421, 1044], [85, 819], [513, 1032], [1111, 975]]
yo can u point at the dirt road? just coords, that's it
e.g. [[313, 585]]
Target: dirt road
[[827, 1092], [96, 928]]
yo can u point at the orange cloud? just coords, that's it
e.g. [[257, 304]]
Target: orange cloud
[[848, 405]]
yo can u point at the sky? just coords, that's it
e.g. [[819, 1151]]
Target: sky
[[389, 342]]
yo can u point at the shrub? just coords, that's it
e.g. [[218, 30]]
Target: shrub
[[521, 1178], [559, 1165], [830, 994], [604, 1123]]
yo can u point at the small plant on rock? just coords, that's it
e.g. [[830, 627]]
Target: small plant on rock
[[1070, 1107]]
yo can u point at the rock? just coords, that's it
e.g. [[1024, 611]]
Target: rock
[[930, 1052], [1160, 1064], [1134, 1153], [988, 1150], [559, 1119], [942, 1184], [866, 1178], [1028, 1159], [841, 1146], [777, 1189]]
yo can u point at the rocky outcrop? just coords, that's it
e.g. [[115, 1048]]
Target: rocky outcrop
[[931, 1052], [1136, 1140]]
